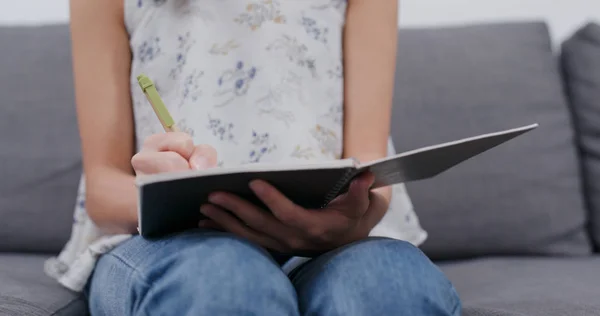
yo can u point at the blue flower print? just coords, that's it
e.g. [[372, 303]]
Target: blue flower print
[[184, 126], [140, 3], [235, 82], [261, 145], [191, 87], [80, 213], [157, 85], [220, 129], [185, 44], [336, 73], [252, 73], [314, 31], [149, 49], [239, 84]]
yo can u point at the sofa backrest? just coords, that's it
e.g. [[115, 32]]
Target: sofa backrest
[[523, 197], [580, 60], [40, 160]]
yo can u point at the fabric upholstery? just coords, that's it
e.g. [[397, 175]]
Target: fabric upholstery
[[527, 286], [581, 68], [523, 197], [25, 290], [39, 156]]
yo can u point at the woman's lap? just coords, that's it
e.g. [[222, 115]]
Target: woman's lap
[[210, 271], [218, 273]]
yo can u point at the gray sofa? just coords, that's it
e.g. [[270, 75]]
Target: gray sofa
[[516, 229]]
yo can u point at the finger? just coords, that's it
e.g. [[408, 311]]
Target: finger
[[377, 208], [158, 162], [357, 197], [253, 216], [203, 157], [283, 208], [233, 225], [210, 224], [178, 142]]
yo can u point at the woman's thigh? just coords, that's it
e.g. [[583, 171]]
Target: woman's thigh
[[197, 272], [377, 276]]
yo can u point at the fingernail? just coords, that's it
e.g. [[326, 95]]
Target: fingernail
[[359, 183], [204, 209], [257, 187], [214, 198], [371, 180], [368, 179], [199, 163]]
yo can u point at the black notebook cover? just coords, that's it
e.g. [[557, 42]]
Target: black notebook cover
[[170, 203]]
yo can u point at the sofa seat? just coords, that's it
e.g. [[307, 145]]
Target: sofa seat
[[26, 290], [527, 286]]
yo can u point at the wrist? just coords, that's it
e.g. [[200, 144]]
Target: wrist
[[385, 192], [380, 203]]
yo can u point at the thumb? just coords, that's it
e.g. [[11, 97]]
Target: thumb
[[357, 197], [203, 157]]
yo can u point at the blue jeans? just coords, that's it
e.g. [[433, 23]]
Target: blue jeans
[[213, 273]]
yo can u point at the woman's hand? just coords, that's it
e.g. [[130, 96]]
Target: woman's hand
[[291, 229], [168, 152]]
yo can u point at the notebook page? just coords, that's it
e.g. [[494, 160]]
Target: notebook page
[[430, 161]]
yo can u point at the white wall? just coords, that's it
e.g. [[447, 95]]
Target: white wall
[[563, 15], [33, 11]]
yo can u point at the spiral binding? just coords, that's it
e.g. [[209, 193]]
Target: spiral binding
[[335, 190]]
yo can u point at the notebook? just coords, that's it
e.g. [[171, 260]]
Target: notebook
[[170, 202]]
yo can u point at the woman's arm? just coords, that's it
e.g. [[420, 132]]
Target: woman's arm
[[370, 41], [101, 64]]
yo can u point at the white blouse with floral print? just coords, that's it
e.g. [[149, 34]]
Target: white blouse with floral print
[[260, 80]]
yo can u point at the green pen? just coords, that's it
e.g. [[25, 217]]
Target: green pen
[[157, 104]]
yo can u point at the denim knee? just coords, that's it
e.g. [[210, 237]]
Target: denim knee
[[377, 276], [227, 276], [207, 274]]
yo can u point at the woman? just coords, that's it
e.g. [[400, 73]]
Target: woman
[[249, 81]]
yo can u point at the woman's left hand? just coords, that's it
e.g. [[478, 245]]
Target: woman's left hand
[[290, 229]]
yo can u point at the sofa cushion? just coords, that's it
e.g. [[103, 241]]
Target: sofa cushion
[[527, 286], [39, 142], [523, 197], [581, 67], [26, 290]]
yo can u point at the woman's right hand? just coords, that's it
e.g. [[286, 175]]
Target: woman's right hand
[[175, 151]]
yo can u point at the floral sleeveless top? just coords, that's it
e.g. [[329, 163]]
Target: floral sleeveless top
[[260, 80]]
